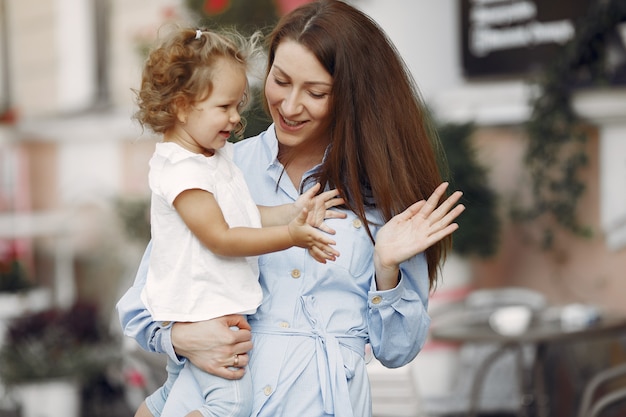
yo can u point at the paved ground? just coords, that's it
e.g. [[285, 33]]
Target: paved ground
[[395, 393]]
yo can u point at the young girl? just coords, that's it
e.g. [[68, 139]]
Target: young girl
[[206, 229]]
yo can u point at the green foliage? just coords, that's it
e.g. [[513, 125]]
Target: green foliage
[[13, 276], [54, 344], [135, 216], [556, 150], [479, 225]]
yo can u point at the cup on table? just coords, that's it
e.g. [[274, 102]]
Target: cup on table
[[510, 320]]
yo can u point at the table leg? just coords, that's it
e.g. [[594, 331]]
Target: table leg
[[524, 384], [542, 403]]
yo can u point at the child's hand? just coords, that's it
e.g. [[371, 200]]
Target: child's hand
[[318, 207], [306, 236]]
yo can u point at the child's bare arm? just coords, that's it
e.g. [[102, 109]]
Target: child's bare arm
[[201, 213]]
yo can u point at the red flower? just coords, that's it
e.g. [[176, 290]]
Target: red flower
[[135, 378], [8, 116], [213, 7]]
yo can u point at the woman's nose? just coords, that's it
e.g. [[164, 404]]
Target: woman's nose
[[291, 104]]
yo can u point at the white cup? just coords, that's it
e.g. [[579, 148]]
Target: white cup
[[510, 320], [578, 316]]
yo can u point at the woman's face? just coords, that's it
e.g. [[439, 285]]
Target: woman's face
[[298, 91]]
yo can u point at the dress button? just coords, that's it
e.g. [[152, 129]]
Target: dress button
[[295, 273], [284, 324], [267, 390], [377, 299], [356, 223]]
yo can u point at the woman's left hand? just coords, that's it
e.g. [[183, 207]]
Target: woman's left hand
[[413, 231]]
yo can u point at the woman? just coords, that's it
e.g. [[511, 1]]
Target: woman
[[347, 114]]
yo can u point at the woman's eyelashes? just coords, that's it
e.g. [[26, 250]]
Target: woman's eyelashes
[[280, 82], [317, 95]]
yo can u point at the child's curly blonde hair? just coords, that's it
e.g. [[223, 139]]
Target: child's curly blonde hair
[[178, 73]]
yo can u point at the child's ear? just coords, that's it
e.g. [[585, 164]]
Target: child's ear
[[180, 108]]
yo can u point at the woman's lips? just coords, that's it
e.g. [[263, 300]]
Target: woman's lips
[[290, 124]]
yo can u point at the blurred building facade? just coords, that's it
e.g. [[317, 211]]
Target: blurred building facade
[[68, 145], [496, 97]]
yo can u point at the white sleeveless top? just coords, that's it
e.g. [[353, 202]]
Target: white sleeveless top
[[186, 281]]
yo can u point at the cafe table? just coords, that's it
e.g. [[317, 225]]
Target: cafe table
[[541, 333]]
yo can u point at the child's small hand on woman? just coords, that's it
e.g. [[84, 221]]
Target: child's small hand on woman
[[318, 207], [306, 236]]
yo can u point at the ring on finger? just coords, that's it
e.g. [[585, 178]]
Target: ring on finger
[[236, 363]]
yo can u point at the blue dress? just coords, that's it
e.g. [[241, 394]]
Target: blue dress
[[314, 322]]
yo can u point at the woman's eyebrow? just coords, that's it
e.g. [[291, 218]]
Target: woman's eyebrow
[[283, 73]]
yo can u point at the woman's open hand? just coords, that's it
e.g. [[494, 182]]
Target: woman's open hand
[[415, 230]]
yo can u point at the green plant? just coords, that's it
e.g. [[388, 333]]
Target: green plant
[[55, 343], [557, 137], [479, 225], [134, 213], [13, 275]]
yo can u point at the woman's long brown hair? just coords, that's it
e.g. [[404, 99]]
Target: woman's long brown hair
[[383, 151]]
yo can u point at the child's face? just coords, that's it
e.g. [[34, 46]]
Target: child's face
[[209, 123]]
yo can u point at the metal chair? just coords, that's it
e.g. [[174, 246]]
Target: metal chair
[[497, 386], [592, 405]]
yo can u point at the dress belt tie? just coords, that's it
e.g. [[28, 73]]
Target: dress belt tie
[[330, 363]]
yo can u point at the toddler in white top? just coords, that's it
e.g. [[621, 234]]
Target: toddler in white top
[[186, 280], [206, 229]]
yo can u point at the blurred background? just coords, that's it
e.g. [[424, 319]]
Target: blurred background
[[528, 97]]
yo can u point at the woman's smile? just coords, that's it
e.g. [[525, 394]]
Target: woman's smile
[[291, 123]]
